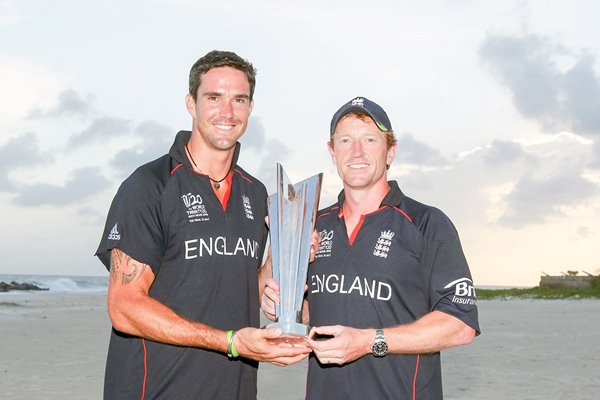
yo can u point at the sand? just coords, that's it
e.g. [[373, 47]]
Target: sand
[[53, 346]]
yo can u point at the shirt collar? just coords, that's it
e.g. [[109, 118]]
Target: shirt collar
[[392, 198]]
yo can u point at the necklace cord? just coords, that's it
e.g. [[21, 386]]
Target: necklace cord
[[217, 182]]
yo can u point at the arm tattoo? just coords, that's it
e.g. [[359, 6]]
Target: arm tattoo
[[125, 268]]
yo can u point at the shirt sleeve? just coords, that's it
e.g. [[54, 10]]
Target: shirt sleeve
[[134, 222], [446, 272]]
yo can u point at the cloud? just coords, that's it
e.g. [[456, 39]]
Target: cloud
[[154, 140], [534, 200], [101, 128], [83, 184], [411, 151], [274, 151], [536, 181], [255, 137], [20, 151], [24, 85], [558, 99], [146, 141], [584, 232], [511, 184], [595, 162], [70, 103], [10, 13], [501, 152], [267, 152], [582, 87]]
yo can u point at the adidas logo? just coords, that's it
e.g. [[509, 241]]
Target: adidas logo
[[114, 234]]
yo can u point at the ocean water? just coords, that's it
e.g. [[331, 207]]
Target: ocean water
[[60, 284], [99, 284]]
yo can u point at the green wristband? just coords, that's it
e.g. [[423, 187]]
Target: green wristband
[[231, 351]]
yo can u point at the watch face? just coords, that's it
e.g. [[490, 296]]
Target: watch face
[[380, 349]]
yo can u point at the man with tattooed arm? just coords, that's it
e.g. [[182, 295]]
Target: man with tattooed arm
[[184, 242]]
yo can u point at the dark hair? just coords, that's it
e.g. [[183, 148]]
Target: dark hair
[[216, 59]]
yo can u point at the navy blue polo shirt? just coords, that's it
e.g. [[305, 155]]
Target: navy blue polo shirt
[[401, 262], [205, 260]]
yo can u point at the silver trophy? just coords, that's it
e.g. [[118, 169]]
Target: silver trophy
[[292, 214]]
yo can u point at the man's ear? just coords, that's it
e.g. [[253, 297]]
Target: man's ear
[[190, 104], [391, 153], [331, 151]]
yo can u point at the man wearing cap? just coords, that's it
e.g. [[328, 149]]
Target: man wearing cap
[[390, 286]]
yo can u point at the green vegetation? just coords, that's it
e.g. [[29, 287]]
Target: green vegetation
[[539, 293], [9, 304]]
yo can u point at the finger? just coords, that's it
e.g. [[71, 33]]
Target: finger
[[269, 315], [271, 294], [327, 330], [269, 333], [272, 284], [283, 361], [287, 355], [268, 308], [267, 304], [322, 347], [327, 360], [268, 297], [315, 239], [312, 254]]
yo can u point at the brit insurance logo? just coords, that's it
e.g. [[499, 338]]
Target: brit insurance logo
[[464, 291], [382, 247], [196, 211], [325, 244], [247, 207], [114, 233]]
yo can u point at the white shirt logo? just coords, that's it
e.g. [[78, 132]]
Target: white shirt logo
[[247, 207], [191, 200], [382, 247], [196, 211], [325, 244], [464, 291], [358, 101], [114, 234]]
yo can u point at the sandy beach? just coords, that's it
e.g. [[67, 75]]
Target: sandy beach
[[53, 346]]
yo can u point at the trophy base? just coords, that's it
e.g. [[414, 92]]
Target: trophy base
[[293, 334]]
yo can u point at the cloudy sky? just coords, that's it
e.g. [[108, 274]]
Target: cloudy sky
[[496, 105]]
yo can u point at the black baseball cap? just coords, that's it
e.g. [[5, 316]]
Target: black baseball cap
[[362, 105]]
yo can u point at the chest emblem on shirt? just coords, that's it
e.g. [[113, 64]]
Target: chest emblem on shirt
[[325, 243], [196, 211], [247, 207], [382, 247]]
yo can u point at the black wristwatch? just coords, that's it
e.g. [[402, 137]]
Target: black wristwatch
[[379, 347]]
